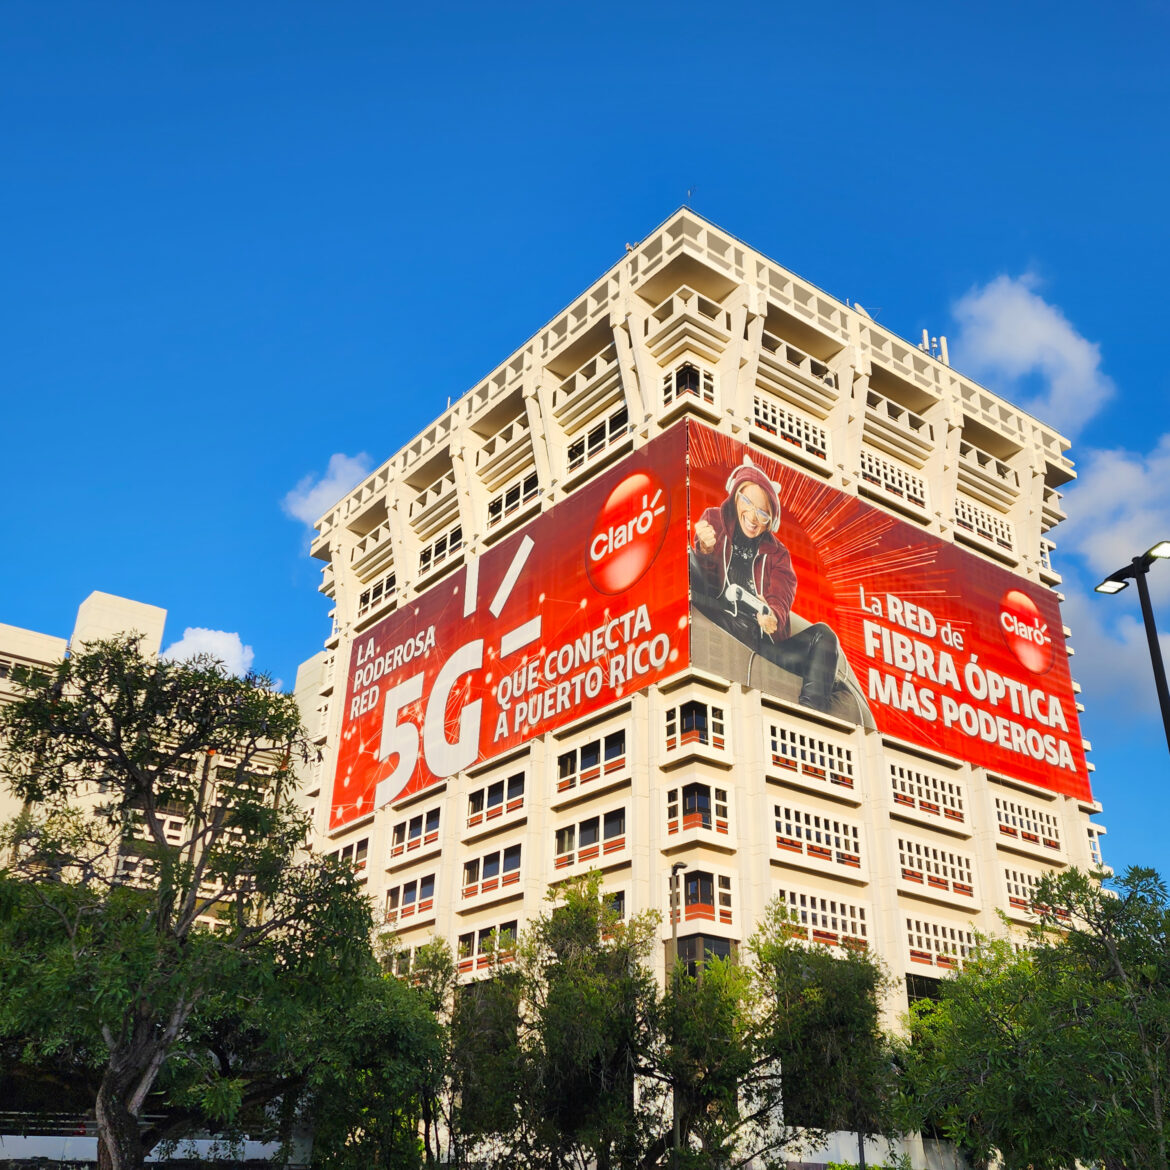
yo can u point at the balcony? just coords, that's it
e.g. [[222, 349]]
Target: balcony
[[373, 552], [893, 482], [903, 360], [1052, 513], [328, 584], [892, 428], [588, 390], [1047, 571], [786, 430], [985, 408], [687, 322], [796, 376], [985, 529], [507, 453], [435, 506], [986, 478]]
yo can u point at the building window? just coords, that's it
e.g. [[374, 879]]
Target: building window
[[479, 948], [926, 792], [599, 438], [774, 418], [937, 944], [939, 869], [831, 922], [811, 756], [987, 525], [440, 549], [696, 806], [381, 590], [1025, 822], [356, 853], [818, 837], [688, 381], [493, 871], [696, 949], [495, 799], [591, 761], [922, 987], [591, 838], [615, 903], [694, 722], [512, 498], [420, 830], [411, 899], [892, 478], [1095, 834], [706, 897]]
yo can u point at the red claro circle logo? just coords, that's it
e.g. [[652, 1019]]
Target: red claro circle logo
[[1026, 632], [628, 532]]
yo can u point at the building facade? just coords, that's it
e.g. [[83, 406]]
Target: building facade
[[643, 705], [27, 652]]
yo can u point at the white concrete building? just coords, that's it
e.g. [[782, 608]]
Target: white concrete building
[[100, 615], [868, 834]]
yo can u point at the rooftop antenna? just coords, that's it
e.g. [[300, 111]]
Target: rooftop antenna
[[690, 195]]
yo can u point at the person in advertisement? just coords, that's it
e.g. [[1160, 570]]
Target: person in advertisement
[[743, 580]]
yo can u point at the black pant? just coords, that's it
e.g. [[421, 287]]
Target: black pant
[[811, 655]]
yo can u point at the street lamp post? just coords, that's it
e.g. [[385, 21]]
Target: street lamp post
[[675, 912], [1136, 570]]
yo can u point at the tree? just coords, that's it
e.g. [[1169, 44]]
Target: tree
[[778, 1052], [163, 938], [365, 1088], [1057, 1053], [588, 1003]]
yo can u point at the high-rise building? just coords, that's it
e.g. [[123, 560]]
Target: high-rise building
[[27, 653], [715, 574]]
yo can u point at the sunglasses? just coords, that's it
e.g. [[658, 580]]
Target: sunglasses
[[764, 516]]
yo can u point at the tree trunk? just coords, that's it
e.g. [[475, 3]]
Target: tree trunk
[[119, 1139]]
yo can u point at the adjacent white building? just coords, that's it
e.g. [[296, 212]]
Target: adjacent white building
[[869, 836]]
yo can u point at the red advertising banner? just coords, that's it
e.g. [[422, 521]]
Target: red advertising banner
[[580, 607], [817, 597]]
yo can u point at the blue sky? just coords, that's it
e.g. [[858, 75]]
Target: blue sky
[[241, 241]]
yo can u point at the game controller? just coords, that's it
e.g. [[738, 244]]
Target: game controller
[[735, 594]]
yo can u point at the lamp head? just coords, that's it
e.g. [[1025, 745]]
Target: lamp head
[[1160, 551], [1111, 585]]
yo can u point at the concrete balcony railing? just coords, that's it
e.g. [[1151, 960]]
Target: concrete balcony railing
[[987, 478], [893, 428], [588, 389], [434, 506], [687, 321], [505, 453]]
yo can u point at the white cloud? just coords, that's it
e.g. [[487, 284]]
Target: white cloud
[[1112, 659], [227, 647], [1118, 508], [312, 497], [1026, 349]]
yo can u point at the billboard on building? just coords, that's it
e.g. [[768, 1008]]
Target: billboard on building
[[698, 550], [583, 605], [819, 598]]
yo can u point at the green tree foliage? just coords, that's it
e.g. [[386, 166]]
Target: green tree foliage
[[773, 1055], [587, 1005], [158, 802], [1055, 1054], [571, 1055]]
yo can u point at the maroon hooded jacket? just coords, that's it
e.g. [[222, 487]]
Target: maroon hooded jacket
[[772, 572]]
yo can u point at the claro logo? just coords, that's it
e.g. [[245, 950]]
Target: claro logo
[[628, 532], [1026, 632]]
